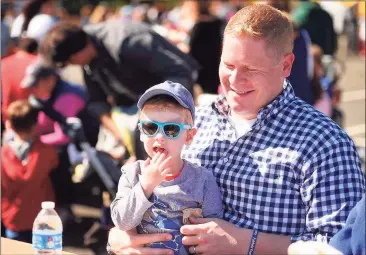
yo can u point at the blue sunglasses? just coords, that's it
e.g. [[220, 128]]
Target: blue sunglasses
[[170, 130]]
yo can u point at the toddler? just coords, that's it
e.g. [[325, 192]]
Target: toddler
[[153, 194]]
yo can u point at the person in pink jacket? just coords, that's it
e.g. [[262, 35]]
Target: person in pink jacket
[[69, 100]]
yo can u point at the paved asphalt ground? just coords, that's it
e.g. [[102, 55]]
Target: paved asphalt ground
[[352, 104]]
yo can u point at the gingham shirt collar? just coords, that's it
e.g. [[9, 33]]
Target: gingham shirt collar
[[221, 105]]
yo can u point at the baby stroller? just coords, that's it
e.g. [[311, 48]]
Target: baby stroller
[[98, 163], [73, 127]]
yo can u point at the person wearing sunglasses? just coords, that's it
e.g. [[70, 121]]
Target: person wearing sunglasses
[[153, 194]]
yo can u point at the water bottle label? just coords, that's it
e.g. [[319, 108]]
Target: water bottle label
[[47, 241]]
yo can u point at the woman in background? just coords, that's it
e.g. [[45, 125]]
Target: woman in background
[[44, 82], [203, 41]]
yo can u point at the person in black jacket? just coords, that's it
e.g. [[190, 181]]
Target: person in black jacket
[[319, 24], [120, 60]]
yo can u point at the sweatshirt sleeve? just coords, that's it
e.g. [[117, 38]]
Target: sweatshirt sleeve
[[130, 204], [212, 201], [69, 105]]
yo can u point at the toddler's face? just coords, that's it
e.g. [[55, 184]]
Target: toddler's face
[[159, 142]]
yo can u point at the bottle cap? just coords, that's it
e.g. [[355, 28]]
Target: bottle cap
[[48, 205]]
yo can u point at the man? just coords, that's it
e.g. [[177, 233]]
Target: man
[[120, 60], [286, 171]]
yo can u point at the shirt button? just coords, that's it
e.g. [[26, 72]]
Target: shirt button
[[226, 160]]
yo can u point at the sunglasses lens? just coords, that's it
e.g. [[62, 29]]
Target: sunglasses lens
[[171, 130], [149, 128]]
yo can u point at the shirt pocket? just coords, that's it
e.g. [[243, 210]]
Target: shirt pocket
[[280, 175], [277, 167]]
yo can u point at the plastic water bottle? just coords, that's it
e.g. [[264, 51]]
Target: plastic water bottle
[[47, 231]]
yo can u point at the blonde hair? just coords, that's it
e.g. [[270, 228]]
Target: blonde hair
[[165, 103], [262, 21]]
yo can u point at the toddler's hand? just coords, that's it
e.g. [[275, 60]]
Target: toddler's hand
[[155, 171]]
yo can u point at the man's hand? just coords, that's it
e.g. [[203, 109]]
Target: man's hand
[[129, 242], [214, 236], [155, 171]]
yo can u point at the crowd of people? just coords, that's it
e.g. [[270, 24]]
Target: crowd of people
[[263, 155]]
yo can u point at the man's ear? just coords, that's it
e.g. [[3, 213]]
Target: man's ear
[[288, 60], [190, 135]]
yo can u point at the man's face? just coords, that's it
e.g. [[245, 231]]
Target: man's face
[[249, 77]]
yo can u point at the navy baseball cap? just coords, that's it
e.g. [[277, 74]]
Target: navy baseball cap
[[173, 89]]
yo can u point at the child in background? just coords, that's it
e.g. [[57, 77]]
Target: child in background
[[153, 194], [25, 166]]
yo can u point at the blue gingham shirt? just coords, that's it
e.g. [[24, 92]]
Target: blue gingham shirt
[[294, 173]]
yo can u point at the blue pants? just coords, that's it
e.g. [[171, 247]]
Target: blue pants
[[175, 244]]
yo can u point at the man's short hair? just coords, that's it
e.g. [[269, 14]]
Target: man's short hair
[[262, 21], [62, 41], [165, 102], [22, 116]]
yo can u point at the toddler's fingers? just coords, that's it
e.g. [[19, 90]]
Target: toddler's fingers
[[166, 163], [155, 157], [161, 158]]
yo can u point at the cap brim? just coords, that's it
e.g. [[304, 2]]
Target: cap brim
[[28, 81], [149, 94]]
